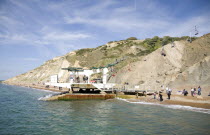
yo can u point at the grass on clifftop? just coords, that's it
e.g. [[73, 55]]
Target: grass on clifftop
[[102, 55]]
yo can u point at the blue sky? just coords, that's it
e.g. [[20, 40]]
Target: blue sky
[[33, 31]]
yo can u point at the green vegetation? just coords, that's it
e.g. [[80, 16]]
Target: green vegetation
[[132, 38], [83, 51], [156, 42]]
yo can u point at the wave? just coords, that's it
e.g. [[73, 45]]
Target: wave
[[181, 107], [45, 97]]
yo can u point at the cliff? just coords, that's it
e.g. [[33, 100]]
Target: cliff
[[185, 65]]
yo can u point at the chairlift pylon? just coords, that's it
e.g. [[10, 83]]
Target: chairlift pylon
[[189, 39]]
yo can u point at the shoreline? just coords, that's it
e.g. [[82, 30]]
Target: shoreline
[[175, 100], [41, 87], [197, 101]]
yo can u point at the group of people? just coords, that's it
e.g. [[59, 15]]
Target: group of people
[[160, 95], [184, 92], [168, 92], [85, 79], [193, 91]]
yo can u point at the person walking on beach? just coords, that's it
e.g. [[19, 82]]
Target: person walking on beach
[[192, 92], [169, 93], [199, 90]]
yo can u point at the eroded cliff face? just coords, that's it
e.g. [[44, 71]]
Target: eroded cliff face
[[185, 65], [43, 73]]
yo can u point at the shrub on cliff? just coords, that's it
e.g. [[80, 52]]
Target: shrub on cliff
[[132, 38]]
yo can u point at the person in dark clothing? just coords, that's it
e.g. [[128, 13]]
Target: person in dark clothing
[[185, 92], [161, 96], [199, 90], [84, 78], [78, 79], [169, 93]]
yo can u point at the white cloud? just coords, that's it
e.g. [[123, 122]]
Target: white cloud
[[183, 28], [65, 36], [120, 19], [30, 59]]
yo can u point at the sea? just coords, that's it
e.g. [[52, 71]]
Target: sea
[[22, 111]]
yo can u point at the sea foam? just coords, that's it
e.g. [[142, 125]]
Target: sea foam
[[45, 97], [181, 107]]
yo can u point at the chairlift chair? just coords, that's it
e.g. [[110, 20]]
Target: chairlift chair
[[196, 31], [189, 40]]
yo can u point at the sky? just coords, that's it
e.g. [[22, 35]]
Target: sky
[[34, 31]]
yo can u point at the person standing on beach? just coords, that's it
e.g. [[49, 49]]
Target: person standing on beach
[[169, 93], [199, 90], [161, 96], [192, 92], [154, 95], [167, 90]]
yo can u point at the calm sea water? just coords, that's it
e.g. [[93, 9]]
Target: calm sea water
[[22, 113]]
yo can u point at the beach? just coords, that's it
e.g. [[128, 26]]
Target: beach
[[176, 99]]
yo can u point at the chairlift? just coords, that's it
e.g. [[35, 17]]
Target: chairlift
[[189, 39], [196, 31]]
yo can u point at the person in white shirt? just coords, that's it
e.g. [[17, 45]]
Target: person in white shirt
[[166, 90], [192, 92]]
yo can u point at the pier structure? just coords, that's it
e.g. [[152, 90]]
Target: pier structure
[[85, 87]]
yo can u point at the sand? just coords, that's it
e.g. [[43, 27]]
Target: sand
[[197, 101]]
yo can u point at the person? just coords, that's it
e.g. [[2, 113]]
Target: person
[[71, 79], [192, 92], [161, 96], [84, 78], [78, 79], [185, 92], [166, 90], [199, 90], [154, 95], [169, 93]]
